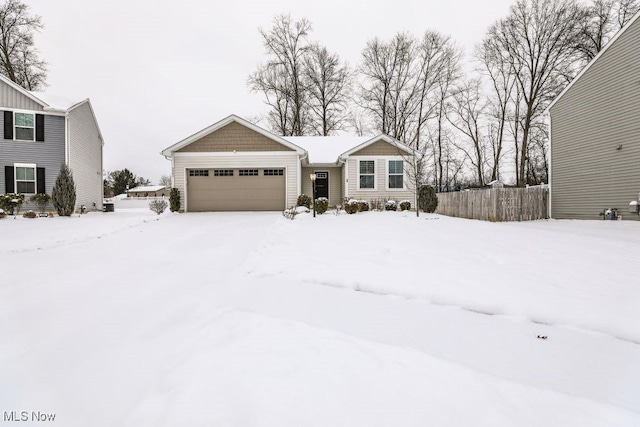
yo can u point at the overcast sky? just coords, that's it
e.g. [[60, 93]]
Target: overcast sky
[[157, 72]]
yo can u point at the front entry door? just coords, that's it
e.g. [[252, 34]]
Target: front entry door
[[322, 184]]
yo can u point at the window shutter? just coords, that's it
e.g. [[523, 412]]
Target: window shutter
[[39, 127], [40, 181], [8, 179], [8, 125]]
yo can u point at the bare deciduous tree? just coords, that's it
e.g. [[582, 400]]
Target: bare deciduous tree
[[465, 113], [537, 40], [18, 56], [328, 83], [281, 78], [165, 180], [603, 19]]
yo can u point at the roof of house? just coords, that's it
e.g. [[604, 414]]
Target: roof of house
[[222, 123], [320, 149], [146, 188], [594, 60], [57, 102], [326, 149], [53, 103]]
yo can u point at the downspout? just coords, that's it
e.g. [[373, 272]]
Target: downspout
[[299, 183], [345, 181], [550, 166]]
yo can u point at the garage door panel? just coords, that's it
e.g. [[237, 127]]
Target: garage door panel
[[236, 193]]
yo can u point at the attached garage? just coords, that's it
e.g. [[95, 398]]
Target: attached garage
[[216, 190]]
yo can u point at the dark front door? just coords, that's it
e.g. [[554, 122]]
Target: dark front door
[[322, 184]]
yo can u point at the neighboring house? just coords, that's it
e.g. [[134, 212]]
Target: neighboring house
[[595, 133], [234, 165], [40, 133], [149, 191]]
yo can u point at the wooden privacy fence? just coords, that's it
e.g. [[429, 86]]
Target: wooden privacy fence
[[497, 204]]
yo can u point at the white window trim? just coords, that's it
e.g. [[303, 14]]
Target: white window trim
[[404, 175], [375, 175], [15, 134], [15, 176]]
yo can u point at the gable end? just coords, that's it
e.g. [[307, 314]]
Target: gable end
[[233, 136], [379, 148]]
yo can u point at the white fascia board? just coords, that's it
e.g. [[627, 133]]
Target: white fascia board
[[23, 91]]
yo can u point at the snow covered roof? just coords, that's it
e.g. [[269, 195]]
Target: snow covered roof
[[326, 149], [148, 188], [56, 102]]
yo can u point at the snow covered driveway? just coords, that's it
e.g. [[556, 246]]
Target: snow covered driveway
[[374, 319]]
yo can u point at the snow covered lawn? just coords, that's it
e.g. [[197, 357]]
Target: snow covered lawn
[[373, 319]]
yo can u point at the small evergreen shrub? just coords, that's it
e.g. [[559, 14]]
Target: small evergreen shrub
[[11, 202], [304, 200], [158, 206], [63, 194], [427, 198], [322, 204], [2, 214], [41, 201], [405, 205], [363, 205], [391, 205], [174, 200], [29, 214], [352, 206]]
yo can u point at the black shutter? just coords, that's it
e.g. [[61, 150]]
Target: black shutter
[[8, 125], [8, 179], [40, 181], [39, 127]]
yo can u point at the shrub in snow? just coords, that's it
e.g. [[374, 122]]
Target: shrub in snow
[[29, 214], [11, 202], [2, 214], [174, 200], [352, 206], [405, 205], [290, 213], [427, 199], [391, 205], [158, 206], [63, 194], [41, 201], [304, 200], [363, 205], [322, 204]]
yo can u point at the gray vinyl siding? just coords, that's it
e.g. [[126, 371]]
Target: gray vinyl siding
[[85, 156], [49, 154], [11, 98], [595, 135]]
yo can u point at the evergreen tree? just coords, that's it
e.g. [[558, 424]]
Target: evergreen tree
[[63, 195]]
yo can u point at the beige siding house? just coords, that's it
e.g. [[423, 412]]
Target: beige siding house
[[234, 165], [595, 134]]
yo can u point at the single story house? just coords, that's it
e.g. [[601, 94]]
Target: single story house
[[595, 133], [149, 191], [235, 165]]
